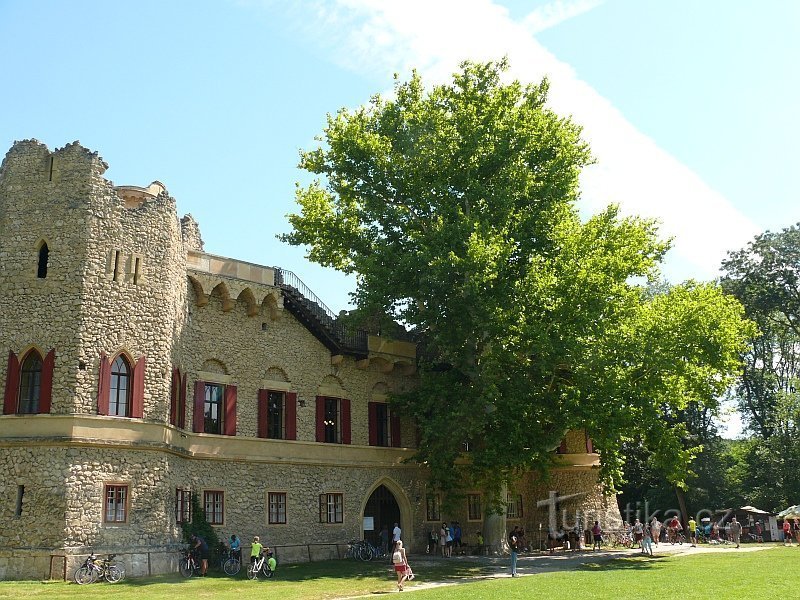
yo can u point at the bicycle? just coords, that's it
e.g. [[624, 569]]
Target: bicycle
[[260, 565], [622, 538], [95, 568], [231, 561], [188, 565]]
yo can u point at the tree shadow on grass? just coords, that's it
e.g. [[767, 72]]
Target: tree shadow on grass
[[630, 563]]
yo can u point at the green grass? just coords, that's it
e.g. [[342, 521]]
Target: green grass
[[733, 575]]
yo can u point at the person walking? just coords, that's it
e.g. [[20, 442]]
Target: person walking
[[647, 541], [787, 532], [513, 543], [655, 530], [736, 531], [400, 562]]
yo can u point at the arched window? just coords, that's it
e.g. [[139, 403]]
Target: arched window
[[44, 256], [119, 393], [30, 384]]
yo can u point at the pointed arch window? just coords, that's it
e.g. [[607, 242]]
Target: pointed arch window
[[119, 392], [44, 257], [30, 384]]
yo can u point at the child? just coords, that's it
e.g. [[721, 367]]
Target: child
[[271, 562], [255, 550], [647, 541]]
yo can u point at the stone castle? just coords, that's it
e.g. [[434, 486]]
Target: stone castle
[[142, 369]]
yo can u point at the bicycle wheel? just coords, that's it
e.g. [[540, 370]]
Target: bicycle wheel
[[365, 552], [268, 573], [252, 572], [84, 575], [113, 574], [231, 566], [186, 568]]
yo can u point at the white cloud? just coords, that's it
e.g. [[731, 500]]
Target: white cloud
[[550, 15], [383, 37]]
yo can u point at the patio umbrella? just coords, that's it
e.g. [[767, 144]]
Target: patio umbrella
[[793, 512]]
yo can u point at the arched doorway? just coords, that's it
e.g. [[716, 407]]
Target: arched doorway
[[383, 509]]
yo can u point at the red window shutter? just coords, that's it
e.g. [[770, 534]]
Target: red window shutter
[[290, 416], [12, 385], [182, 401], [372, 420], [262, 413], [173, 396], [320, 418], [394, 424], [103, 385], [46, 389], [589, 445], [562, 449], [229, 426], [199, 403], [345, 409], [137, 393]]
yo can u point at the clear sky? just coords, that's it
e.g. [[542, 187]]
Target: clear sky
[[690, 106]]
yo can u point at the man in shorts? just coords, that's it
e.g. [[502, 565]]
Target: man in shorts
[[693, 531], [200, 548]]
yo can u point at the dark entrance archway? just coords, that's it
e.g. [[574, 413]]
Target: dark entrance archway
[[384, 510]]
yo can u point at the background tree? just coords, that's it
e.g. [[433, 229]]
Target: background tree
[[456, 208]]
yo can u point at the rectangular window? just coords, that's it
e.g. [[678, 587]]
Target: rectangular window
[[213, 408], [116, 507], [275, 415], [277, 508], [332, 421], [331, 508], [183, 506], [214, 505], [474, 507], [514, 506], [382, 431], [432, 508]]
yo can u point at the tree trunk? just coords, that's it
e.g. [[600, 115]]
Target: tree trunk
[[494, 530], [682, 506]]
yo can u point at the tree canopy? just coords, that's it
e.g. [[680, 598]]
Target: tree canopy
[[455, 206]]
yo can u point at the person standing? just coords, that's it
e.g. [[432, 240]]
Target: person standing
[[236, 547], [597, 535], [787, 532], [736, 531], [513, 543], [396, 533], [797, 530], [693, 532], [638, 533], [200, 546], [255, 550], [457, 536], [384, 537], [443, 539]]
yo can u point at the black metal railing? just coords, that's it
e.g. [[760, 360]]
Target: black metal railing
[[333, 332]]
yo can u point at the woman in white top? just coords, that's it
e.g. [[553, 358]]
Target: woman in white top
[[400, 563]]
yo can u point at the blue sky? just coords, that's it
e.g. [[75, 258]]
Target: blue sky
[[690, 106]]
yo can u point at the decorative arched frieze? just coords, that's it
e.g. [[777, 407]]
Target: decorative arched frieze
[[199, 292]]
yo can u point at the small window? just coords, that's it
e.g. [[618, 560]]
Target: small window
[[514, 506], [116, 509], [332, 422], [115, 272], [30, 382], [474, 507], [20, 497], [432, 508], [331, 508], [213, 408], [44, 257], [214, 503], [277, 508], [183, 506], [275, 415]]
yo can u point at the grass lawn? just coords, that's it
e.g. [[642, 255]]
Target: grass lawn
[[725, 575]]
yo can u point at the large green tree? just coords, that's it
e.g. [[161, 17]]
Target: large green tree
[[456, 208]]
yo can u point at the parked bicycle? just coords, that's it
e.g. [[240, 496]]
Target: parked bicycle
[[363, 550], [260, 566], [189, 565], [95, 568], [231, 561]]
